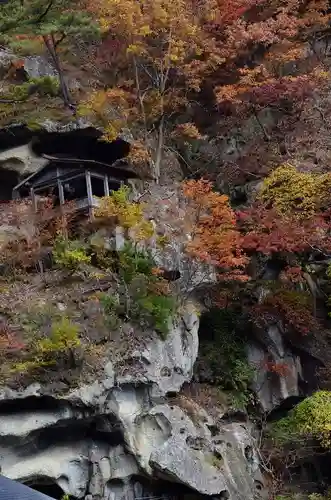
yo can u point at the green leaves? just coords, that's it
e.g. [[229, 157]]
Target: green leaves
[[45, 17], [64, 335], [134, 262], [309, 419], [222, 354], [70, 254], [145, 296]]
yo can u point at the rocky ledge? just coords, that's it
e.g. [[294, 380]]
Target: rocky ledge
[[121, 436]]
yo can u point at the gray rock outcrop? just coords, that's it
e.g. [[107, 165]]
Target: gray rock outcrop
[[273, 388], [108, 439]]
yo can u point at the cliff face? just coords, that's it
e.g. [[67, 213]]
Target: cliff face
[[119, 418], [117, 434], [120, 438], [113, 423]]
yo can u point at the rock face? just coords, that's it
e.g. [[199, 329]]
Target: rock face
[[119, 437], [272, 388], [21, 160]]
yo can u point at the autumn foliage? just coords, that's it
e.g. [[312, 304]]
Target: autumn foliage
[[265, 230], [293, 308], [236, 91], [28, 232], [215, 238]]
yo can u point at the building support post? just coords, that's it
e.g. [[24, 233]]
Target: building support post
[[106, 185], [33, 199], [62, 202], [61, 193], [89, 193]]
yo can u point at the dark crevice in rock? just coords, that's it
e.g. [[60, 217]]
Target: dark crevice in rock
[[30, 403], [81, 144], [310, 365], [46, 486], [159, 488], [285, 406], [224, 495], [234, 416], [101, 428], [14, 136], [9, 178], [78, 430]]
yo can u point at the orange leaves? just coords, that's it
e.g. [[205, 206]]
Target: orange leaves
[[279, 368], [139, 155], [247, 54], [215, 238]]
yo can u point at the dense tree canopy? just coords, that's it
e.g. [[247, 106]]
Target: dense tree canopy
[[237, 93], [181, 76]]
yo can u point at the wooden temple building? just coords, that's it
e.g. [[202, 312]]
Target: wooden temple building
[[83, 182]]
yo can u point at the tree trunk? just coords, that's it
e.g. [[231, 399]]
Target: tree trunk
[[159, 152], [49, 42]]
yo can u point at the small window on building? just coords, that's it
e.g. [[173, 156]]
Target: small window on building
[[98, 187], [75, 189]]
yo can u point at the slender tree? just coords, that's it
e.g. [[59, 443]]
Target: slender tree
[[53, 21]]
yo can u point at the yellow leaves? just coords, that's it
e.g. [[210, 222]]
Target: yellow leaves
[[153, 39], [298, 193], [187, 131], [94, 104], [211, 16], [129, 215], [117, 206], [174, 58], [145, 30], [111, 132], [111, 108], [323, 74], [64, 336], [134, 49], [142, 231], [173, 24]]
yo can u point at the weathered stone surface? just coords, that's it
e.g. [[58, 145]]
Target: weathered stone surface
[[177, 459], [169, 363], [21, 159], [94, 441], [38, 66], [272, 388], [6, 59]]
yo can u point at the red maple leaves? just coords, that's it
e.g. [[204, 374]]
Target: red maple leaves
[[266, 231]]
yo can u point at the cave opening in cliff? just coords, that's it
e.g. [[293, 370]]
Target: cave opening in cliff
[[80, 143], [79, 148], [9, 178], [47, 487], [83, 144], [158, 488]]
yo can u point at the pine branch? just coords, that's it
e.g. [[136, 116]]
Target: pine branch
[[44, 14]]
